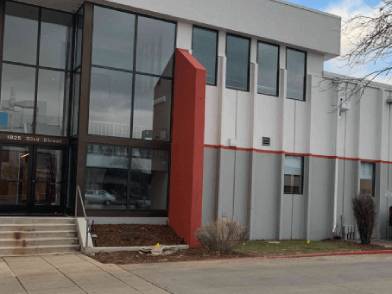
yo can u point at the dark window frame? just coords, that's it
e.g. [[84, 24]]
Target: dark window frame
[[67, 71], [277, 94], [305, 73], [248, 67], [216, 51], [302, 174]]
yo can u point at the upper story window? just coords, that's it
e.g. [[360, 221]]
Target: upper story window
[[35, 68], [131, 75], [367, 178], [205, 49], [237, 65], [268, 69], [296, 74], [293, 175]]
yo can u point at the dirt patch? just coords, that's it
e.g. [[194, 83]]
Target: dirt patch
[[182, 255], [134, 235]]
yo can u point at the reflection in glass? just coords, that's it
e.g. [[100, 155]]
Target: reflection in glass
[[56, 28], [367, 178], [49, 177], [78, 38], [293, 175], [75, 103], [152, 108], [268, 61], [20, 33], [113, 38], [204, 48], [149, 179], [155, 46], [106, 177], [296, 62], [110, 103], [237, 65], [50, 103], [17, 98], [14, 175]]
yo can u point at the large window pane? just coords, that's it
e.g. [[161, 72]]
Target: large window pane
[[268, 61], [367, 178], [237, 65], [293, 175], [152, 108], [106, 177], [110, 103], [149, 179], [17, 98], [50, 103], [14, 175], [55, 39], [20, 33], [155, 46], [296, 72], [204, 48], [75, 103], [78, 38], [113, 38]]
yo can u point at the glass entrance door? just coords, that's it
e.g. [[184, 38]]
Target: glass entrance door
[[47, 178], [15, 165], [31, 179]]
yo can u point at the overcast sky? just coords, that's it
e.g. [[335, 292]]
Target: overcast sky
[[347, 9]]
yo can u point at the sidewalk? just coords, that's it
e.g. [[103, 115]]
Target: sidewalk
[[68, 274]]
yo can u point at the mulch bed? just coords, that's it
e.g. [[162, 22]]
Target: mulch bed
[[134, 235], [182, 255]]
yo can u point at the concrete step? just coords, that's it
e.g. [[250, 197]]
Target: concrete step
[[34, 250], [37, 227], [35, 220], [28, 242], [37, 234]]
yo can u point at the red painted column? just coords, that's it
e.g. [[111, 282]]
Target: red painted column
[[186, 170]]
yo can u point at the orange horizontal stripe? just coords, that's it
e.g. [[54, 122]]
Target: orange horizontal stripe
[[282, 152]]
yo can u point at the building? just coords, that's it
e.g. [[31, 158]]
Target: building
[[98, 95]]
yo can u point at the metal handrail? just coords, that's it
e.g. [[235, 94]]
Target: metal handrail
[[79, 198]]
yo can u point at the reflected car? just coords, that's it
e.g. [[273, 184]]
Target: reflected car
[[99, 197]]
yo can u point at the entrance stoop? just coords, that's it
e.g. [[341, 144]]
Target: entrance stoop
[[37, 235]]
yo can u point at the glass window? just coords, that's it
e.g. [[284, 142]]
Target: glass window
[[75, 103], [296, 74], [14, 175], [113, 38], [149, 179], [56, 28], [50, 103], [367, 178], [293, 175], [268, 69], [237, 64], [152, 108], [17, 98], [204, 48], [78, 37], [20, 33], [110, 103], [155, 46], [106, 177]]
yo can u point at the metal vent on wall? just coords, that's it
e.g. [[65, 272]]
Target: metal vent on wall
[[266, 141]]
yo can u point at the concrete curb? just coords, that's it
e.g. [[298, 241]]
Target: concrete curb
[[93, 250], [336, 253]]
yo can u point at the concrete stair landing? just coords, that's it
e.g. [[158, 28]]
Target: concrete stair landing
[[37, 235]]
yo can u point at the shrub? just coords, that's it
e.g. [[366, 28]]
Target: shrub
[[222, 236], [365, 213]]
